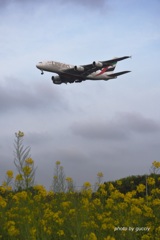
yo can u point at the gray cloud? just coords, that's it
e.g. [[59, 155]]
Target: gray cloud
[[99, 130], [85, 3], [138, 123], [16, 95], [121, 127], [88, 3]]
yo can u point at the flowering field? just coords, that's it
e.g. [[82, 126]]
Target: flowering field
[[125, 209], [103, 215]]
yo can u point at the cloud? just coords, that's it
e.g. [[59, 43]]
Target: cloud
[[85, 3], [88, 3], [17, 95], [121, 127], [139, 124], [99, 130]]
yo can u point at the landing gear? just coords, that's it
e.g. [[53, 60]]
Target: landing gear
[[42, 72]]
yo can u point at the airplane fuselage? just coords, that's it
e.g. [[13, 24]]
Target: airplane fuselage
[[67, 73], [58, 67]]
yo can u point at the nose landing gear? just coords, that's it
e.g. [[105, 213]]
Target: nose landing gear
[[42, 72]]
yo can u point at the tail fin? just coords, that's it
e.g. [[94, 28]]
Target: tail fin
[[118, 73]]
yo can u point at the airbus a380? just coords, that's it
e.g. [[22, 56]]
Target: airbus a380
[[100, 70]]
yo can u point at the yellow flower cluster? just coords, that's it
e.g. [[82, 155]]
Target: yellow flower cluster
[[9, 173], [150, 181], [141, 188], [2, 202], [20, 134], [11, 228], [29, 161], [106, 214], [156, 164]]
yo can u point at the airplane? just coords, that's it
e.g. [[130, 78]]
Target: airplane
[[100, 70]]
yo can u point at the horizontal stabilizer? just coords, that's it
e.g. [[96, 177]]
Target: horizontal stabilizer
[[118, 73]]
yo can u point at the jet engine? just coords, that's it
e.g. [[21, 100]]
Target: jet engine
[[56, 80], [79, 68], [97, 64]]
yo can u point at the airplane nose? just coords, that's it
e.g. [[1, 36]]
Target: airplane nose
[[38, 65]]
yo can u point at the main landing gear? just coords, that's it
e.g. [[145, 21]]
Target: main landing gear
[[42, 72]]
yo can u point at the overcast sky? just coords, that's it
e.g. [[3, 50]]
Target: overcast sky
[[113, 126]]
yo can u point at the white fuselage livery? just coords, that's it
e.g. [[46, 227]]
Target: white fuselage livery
[[70, 73], [57, 67]]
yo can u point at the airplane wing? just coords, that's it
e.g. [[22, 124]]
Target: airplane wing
[[82, 71], [118, 74]]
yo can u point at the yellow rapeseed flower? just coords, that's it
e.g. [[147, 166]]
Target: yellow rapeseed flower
[[150, 181], [141, 188], [19, 177], [137, 201], [86, 185], [19, 196], [99, 216], [33, 231], [156, 164], [27, 170], [122, 205], [50, 194], [41, 190], [5, 187], [60, 233], [57, 218], [155, 191], [109, 202], [55, 177], [20, 134], [148, 212], [97, 202], [102, 186], [100, 174], [2, 202], [29, 161], [85, 202], [66, 204], [11, 229], [102, 190], [128, 197], [136, 210], [119, 182], [91, 236], [2, 189], [109, 238], [156, 202], [133, 193], [111, 187], [104, 226], [9, 173], [69, 179], [146, 237], [117, 194], [84, 224], [58, 162], [72, 211]]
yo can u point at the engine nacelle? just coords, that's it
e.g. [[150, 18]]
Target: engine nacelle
[[97, 64], [56, 80], [79, 68]]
